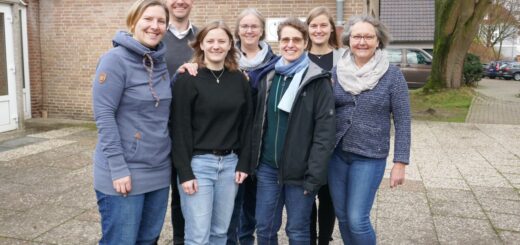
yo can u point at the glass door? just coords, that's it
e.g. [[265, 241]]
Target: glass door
[[8, 111]]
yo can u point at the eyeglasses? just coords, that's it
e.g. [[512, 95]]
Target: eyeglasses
[[247, 27], [287, 40], [367, 38]]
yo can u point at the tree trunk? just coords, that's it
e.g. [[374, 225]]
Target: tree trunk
[[456, 24]]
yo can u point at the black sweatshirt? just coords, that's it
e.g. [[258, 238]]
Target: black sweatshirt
[[210, 116]]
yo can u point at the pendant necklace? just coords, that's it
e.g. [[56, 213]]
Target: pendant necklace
[[215, 76]]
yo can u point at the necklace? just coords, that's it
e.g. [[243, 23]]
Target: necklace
[[215, 76]]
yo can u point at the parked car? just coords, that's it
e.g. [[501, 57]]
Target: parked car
[[415, 63], [510, 71], [493, 68]]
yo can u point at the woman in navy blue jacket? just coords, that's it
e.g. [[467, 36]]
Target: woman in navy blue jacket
[[368, 94]]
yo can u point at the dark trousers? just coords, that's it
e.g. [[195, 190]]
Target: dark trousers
[[243, 223], [177, 217], [325, 217]]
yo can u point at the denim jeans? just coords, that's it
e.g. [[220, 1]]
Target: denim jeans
[[207, 212], [242, 227], [353, 183], [135, 219], [270, 200]]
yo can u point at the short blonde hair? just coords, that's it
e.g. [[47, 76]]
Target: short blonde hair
[[137, 9]]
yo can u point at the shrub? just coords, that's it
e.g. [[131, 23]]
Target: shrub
[[472, 70]]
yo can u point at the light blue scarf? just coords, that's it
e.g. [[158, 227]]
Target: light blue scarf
[[293, 67], [296, 68]]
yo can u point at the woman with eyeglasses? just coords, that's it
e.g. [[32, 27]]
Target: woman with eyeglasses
[[369, 94], [212, 114], [255, 55], [293, 137], [131, 97], [324, 51]]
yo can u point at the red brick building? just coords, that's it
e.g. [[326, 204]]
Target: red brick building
[[65, 38]]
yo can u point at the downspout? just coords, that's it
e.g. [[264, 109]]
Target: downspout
[[339, 20], [339, 12]]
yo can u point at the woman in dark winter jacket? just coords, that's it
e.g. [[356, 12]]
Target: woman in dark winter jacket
[[293, 137]]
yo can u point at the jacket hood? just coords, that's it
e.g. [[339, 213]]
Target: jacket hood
[[313, 71], [125, 39]]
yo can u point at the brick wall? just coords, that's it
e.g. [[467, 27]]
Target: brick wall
[[66, 38], [35, 71]]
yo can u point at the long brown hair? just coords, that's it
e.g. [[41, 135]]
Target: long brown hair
[[315, 12], [230, 62]]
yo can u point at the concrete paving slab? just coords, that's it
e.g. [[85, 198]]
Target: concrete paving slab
[[92, 215], [32, 149], [507, 169], [58, 133], [509, 237], [446, 183], [513, 178], [436, 195], [496, 193], [16, 197], [487, 181], [31, 224], [11, 241], [466, 209], [35, 175], [500, 206], [456, 230], [73, 232], [75, 161], [82, 197], [444, 170], [398, 231], [17, 142], [505, 221], [410, 212], [439, 195]]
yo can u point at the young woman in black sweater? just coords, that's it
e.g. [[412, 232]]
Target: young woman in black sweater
[[211, 117]]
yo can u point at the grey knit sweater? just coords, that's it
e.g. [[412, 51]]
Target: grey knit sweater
[[363, 121]]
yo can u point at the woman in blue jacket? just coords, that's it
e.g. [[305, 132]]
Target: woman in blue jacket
[[131, 97], [368, 94]]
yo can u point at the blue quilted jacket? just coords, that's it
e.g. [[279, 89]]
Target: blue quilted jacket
[[363, 121]]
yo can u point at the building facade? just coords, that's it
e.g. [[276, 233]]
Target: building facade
[[65, 39]]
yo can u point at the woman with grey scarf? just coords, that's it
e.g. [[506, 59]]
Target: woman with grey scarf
[[368, 94], [255, 55]]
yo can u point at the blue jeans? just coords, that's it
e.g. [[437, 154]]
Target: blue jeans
[[135, 219], [242, 227], [270, 199], [353, 183], [207, 212]]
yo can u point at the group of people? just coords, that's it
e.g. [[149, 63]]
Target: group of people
[[239, 133]]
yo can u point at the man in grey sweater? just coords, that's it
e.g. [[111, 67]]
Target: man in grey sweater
[[177, 39], [180, 33]]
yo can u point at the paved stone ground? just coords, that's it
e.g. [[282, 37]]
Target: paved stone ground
[[497, 101], [463, 187]]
